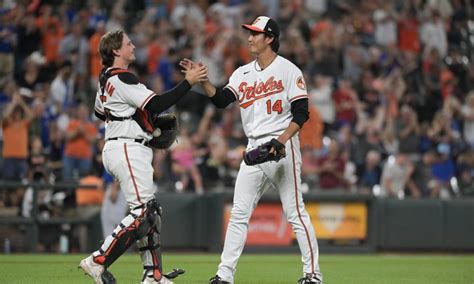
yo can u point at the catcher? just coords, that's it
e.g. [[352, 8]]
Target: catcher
[[131, 112]]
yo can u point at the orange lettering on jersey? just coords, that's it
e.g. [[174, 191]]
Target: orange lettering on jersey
[[109, 88], [248, 94]]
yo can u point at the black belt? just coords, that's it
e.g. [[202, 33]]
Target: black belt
[[116, 118], [141, 141]]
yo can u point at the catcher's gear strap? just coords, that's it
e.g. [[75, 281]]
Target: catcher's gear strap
[[299, 110], [158, 104], [223, 98], [136, 225], [140, 116]]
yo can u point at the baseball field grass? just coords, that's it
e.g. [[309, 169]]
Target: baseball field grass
[[252, 268]]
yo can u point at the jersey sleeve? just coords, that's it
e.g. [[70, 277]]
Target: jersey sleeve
[[136, 95], [296, 85], [234, 82]]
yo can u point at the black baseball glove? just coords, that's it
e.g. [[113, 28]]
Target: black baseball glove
[[262, 154], [165, 131]]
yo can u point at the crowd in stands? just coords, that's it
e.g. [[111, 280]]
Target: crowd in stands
[[391, 86]]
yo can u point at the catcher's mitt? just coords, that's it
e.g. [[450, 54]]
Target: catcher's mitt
[[262, 154], [165, 131]]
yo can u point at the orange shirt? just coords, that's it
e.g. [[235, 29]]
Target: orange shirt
[[95, 64], [311, 135], [155, 52], [50, 44], [79, 147], [90, 196], [15, 139]]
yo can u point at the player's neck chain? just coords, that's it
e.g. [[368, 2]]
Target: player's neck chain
[[257, 66]]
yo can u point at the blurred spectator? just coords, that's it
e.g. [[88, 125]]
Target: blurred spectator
[[397, 177], [114, 206], [465, 165], [408, 131], [444, 168], [311, 135], [95, 66], [423, 175], [62, 88], [184, 166], [32, 76], [88, 203], [55, 151], [80, 136], [331, 168], [433, 34], [346, 102], [321, 98], [74, 46], [369, 174], [28, 39], [7, 43], [17, 118], [51, 33], [468, 120], [385, 28]]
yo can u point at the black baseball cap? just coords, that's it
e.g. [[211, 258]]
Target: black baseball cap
[[264, 24]]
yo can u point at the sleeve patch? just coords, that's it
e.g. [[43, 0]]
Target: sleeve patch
[[300, 83], [128, 78]]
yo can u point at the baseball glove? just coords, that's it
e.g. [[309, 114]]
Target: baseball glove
[[262, 154], [165, 131]]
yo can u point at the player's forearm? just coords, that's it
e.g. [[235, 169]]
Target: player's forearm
[[289, 132], [160, 103], [209, 89], [222, 97]]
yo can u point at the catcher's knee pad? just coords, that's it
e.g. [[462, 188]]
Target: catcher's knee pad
[[136, 225]]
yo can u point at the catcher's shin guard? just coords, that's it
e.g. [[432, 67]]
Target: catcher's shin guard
[[137, 224], [149, 245]]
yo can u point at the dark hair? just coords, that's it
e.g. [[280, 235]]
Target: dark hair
[[275, 44], [108, 43]]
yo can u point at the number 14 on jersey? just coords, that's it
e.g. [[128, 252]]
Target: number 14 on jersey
[[276, 107]]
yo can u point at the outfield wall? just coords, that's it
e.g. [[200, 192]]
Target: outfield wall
[[343, 223]]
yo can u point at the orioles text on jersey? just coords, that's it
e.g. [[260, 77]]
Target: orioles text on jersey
[[248, 94]]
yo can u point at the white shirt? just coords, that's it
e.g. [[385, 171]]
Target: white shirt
[[265, 96], [122, 100]]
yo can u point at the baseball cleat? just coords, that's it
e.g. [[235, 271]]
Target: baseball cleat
[[217, 280], [149, 278], [311, 278], [96, 271]]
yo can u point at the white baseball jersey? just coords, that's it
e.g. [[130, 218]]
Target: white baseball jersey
[[265, 96], [121, 98]]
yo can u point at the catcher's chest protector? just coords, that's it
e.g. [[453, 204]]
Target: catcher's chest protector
[[142, 117]]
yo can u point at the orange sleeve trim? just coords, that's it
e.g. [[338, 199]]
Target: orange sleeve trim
[[233, 91], [299, 97], [147, 100]]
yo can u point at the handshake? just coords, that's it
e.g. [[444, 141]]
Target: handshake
[[194, 72]]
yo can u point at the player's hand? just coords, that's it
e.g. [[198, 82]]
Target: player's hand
[[196, 74], [188, 64]]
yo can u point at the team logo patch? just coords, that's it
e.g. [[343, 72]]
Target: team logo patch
[[300, 83]]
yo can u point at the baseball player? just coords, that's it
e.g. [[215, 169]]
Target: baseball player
[[273, 103], [126, 106]]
